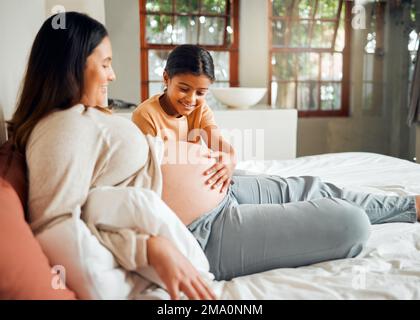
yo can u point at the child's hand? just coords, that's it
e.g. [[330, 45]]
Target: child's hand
[[221, 172]]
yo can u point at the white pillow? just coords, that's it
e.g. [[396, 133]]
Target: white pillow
[[144, 210], [90, 269]]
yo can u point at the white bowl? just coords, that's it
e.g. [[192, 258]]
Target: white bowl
[[239, 97]]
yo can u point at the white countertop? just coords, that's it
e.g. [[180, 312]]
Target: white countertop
[[272, 131], [256, 107]]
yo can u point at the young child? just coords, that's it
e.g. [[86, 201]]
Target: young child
[[181, 112]]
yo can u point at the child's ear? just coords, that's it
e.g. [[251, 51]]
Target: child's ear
[[165, 78]]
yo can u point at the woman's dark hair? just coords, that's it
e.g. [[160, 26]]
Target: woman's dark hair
[[55, 71], [191, 59]]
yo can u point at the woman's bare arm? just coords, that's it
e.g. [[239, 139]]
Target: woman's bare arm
[[177, 273]]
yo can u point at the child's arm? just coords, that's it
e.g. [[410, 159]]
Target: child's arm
[[221, 173]]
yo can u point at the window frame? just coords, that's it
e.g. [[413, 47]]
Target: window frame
[[232, 48], [344, 110]]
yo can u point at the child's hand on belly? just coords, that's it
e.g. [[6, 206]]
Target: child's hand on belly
[[221, 172]]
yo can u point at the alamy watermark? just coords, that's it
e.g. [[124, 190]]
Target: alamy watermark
[[359, 277], [59, 21], [248, 144], [58, 281], [359, 19]]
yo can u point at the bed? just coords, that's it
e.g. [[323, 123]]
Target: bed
[[387, 268]]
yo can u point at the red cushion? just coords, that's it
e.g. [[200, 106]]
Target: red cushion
[[13, 169], [24, 269]]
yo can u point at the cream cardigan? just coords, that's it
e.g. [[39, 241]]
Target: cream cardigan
[[72, 152], [86, 163]]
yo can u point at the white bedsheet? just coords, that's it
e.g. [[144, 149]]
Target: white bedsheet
[[388, 267]]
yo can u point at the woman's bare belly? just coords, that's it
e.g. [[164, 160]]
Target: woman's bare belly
[[184, 187]]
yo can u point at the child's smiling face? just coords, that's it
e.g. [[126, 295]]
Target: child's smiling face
[[185, 92]]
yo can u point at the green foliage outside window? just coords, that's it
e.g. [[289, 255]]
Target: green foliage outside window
[[187, 21]]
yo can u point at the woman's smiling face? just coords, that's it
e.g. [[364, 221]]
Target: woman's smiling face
[[98, 74], [186, 92]]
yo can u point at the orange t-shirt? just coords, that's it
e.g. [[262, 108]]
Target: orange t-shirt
[[152, 119]]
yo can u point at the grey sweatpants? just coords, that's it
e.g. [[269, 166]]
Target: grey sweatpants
[[267, 222]]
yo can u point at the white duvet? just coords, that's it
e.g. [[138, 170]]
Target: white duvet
[[388, 267]]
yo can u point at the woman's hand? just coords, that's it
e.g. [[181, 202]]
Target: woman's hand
[[221, 172], [176, 272]]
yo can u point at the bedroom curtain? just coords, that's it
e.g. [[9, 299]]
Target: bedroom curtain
[[415, 93]]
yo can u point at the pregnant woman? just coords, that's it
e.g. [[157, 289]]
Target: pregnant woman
[[74, 145]]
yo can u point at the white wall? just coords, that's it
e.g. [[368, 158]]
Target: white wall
[[20, 20], [123, 24], [253, 44], [94, 8]]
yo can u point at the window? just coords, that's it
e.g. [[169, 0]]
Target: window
[[309, 56], [164, 24]]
